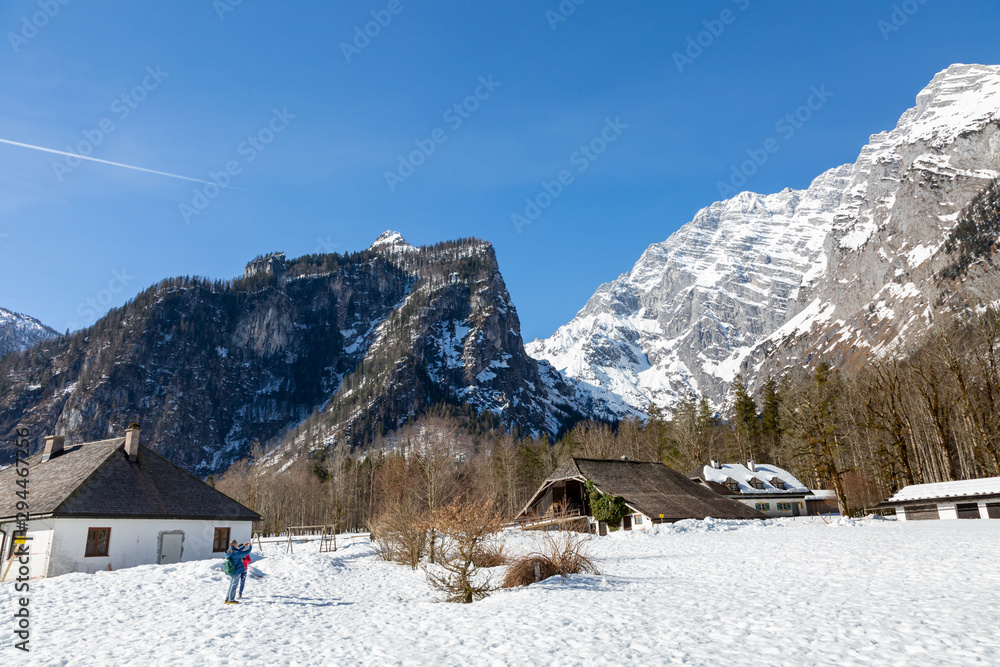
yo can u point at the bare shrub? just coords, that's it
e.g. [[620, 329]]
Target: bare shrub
[[561, 556], [400, 536], [491, 554], [468, 529]]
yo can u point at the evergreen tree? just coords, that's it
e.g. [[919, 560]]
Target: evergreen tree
[[744, 424]]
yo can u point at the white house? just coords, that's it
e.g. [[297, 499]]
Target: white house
[[766, 488], [112, 504], [962, 499]]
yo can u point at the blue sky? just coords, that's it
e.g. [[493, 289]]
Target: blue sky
[[309, 128]]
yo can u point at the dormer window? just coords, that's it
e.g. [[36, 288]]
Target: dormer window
[[732, 485], [778, 484], [756, 483]]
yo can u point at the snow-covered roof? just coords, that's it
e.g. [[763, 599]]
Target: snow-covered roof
[[958, 489], [824, 494], [743, 476]]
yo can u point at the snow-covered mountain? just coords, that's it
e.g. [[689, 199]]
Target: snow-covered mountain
[[19, 332], [756, 284]]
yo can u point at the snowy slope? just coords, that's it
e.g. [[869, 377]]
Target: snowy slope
[[779, 592], [754, 283], [19, 332]]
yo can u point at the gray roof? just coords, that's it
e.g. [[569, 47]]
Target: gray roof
[[653, 489], [96, 479]]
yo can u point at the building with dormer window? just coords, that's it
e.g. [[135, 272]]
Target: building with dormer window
[[766, 488]]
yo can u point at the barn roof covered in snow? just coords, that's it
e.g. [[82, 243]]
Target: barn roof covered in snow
[[96, 479], [964, 488], [654, 489]]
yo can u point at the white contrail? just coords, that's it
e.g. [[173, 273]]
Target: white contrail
[[116, 164]]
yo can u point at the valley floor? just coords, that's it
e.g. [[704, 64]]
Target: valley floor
[[777, 593]]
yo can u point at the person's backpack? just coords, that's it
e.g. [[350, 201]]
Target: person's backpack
[[230, 567]]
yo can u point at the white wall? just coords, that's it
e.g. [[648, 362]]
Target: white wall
[[773, 502], [947, 511], [132, 542], [646, 524], [38, 550]]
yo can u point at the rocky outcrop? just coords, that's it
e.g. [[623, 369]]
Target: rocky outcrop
[[351, 344]]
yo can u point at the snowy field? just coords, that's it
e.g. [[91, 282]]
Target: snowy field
[[699, 593]]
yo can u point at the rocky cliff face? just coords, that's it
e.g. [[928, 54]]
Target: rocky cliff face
[[759, 284], [351, 343], [19, 332], [885, 251]]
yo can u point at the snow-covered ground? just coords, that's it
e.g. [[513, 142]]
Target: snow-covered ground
[[780, 592]]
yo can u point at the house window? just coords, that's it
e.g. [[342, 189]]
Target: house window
[[777, 483], [968, 511], [787, 507], [756, 483], [97, 541], [638, 519], [764, 507], [732, 485], [221, 540]]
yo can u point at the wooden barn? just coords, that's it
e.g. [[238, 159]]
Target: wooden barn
[[653, 492]]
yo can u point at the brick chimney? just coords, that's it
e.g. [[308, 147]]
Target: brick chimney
[[132, 441], [53, 446]]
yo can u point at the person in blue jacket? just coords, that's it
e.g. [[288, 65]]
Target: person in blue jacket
[[235, 555]]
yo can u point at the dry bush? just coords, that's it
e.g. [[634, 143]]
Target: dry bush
[[400, 536], [491, 554], [469, 529], [557, 556]]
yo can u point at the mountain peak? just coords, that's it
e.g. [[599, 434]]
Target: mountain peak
[[958, 99], [19, 332], [389, 239]]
